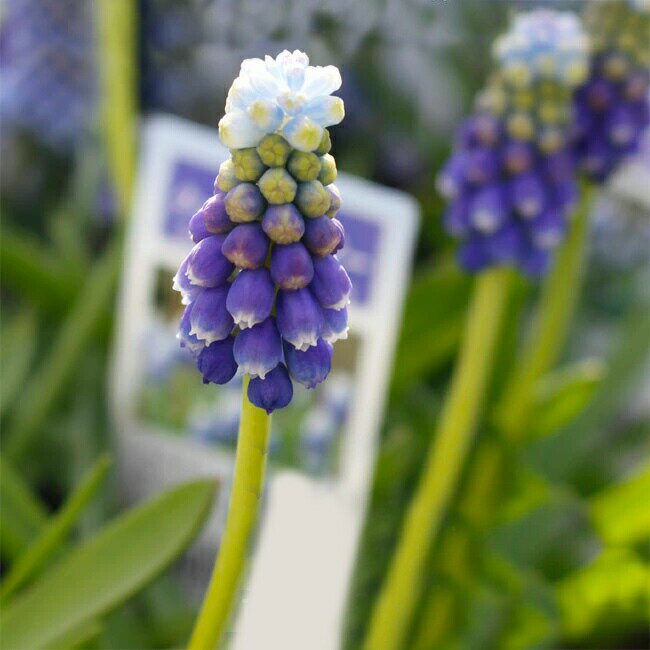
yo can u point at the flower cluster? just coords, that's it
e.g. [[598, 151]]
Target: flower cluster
[[264, 290], [284, 95], [510, 181], [48, 86], [612, 106]]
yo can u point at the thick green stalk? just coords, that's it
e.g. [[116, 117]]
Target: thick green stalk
[[557, 302], [248, 480], [552, 320], [396, 602]]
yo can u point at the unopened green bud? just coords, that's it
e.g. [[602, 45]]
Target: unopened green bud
[[227, 179], [325, 144], [304, 166], [277, 186], [248, 164], [328, 169], [312, 199], [274, 150]]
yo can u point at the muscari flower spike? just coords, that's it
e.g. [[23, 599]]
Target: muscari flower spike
[[510, 181], [612, 106], [263, 288]]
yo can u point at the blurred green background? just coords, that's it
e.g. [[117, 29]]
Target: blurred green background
[[560, 556]]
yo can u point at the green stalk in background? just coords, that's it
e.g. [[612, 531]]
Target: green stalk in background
[[117, 29], [459, 418], [248, 480], [552, 321], [559, 294]]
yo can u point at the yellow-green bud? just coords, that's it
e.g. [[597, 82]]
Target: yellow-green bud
[[304, 166], [274, 150], [227, 178], [312, 199], [248, 164], [328, 171], [277, 186], [325, 144]]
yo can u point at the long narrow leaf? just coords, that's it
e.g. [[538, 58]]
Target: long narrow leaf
[[17, 345], [21, 516], [105, 571], [56, 530], [30, 269], [620, 512], [59, 365]]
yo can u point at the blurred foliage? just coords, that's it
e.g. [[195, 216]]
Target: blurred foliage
[[546, 545]]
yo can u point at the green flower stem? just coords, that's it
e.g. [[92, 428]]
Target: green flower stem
[[248, 480], [554, 312], [557, 302], [396, 602]]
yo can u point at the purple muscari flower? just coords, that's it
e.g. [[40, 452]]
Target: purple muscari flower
[[518, 157], [216, 362], [291, 266], [451, 180], [611, 107], [48, 75], [527, 194], [182, 283], [547, 230], [250, 298], [283, 223], [210, 320], [244, 202], [506, 245], [481, 166], [215, 216], [341, 229], [187, 340], [263, 276], [206, 265], [559, 166], [197, 228], [311, 366], [510, 180], [335, 324], [535, 262], [246, 246], [456, 218], [322, 236], [300, 320], [272, 392], [335, 200], [565, 194], [258, 349], [487, 209], [331, 284], [473, 254]]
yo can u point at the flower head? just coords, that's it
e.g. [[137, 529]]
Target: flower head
[[510, 180], [284, 95], [263, 289], [612, 108], [543, 45]]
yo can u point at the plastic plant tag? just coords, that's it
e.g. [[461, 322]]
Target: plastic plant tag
[[322, 446]]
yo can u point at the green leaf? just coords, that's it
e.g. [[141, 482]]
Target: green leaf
[[79, 636], [21, 516], [55, 531], [18, 345], [608, 596], [30, 270], [432, 323], [561, 396], [620, 512], [58, 366], [103, 572]]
